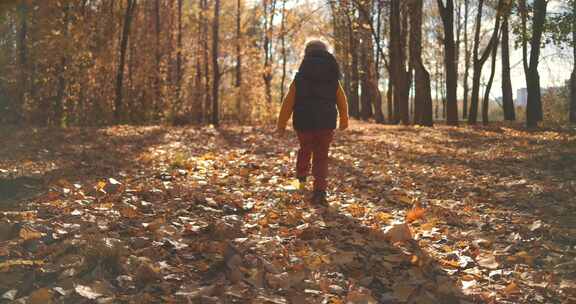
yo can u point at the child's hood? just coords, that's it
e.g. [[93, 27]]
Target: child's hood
[[319, 66]]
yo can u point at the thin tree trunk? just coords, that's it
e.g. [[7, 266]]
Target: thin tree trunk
[[447, 14], [572, 116], [369, 86], [284, 53], [390, 100], [238, 83], [486, 100], [507, 99], [179, 60], [423, 93], [61, 92], [118, 102], [354, 98], [23, 61], [479, 62], [205, 48], [215, 67], [401, 78], [466, 87], [158, 55], [268, 35]]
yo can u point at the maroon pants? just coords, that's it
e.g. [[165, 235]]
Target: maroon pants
[[314, 146]]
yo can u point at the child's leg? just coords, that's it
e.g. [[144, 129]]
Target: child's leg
[[306, 140], [323, 139]]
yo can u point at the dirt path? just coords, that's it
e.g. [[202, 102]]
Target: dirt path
[[416, 215]]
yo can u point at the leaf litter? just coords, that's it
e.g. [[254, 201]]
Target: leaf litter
[[205, 215]]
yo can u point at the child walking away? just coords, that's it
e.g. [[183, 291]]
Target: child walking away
[[315, 98]]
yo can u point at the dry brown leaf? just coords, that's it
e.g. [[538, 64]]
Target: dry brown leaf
[[512, 288], [129, 211], [488, 261], [41, 296], [360, 296], [399, 233]]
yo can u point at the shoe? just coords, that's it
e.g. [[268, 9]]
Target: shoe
[[319, 198]]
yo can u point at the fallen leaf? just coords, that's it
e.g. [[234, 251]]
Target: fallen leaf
[[512, 288], [488, 261], [414, 214], [27, 233], [10, 295], [87, 292], [536, 225], [41, 296], [398, 233], [4, 266]]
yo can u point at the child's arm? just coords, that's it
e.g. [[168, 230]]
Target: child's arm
[[287, 108], [342, 103]]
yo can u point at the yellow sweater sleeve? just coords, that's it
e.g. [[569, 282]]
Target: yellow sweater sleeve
[[287, 107], [342, 103]]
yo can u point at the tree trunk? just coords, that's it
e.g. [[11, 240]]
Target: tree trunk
[[367, 61], [534, 103], [238, 83], [486, 100], [354, 98], [18, 110], [466, 87], [268, 46], [179, 63], [158, 58], [447, 14], [507, 99], [215, 67], [423, 92], [118, 101], [206, 49], [401, 77], [478, 63], [283, 46], [572, 116], [238, 43], [390, 99]]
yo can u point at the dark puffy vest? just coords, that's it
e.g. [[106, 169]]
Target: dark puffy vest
[[316, 88]]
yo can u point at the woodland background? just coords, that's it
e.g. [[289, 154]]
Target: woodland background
[[89, 62]]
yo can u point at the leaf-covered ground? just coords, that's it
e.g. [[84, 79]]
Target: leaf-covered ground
[[200, 215]]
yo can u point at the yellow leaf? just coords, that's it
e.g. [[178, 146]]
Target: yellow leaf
[[382, 216], [29, 234], [4, 266], [356, 210], [100, 186]]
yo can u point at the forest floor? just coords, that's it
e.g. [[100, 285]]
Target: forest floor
[[202, 215]]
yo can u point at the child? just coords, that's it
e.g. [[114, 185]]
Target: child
[[313, 97]]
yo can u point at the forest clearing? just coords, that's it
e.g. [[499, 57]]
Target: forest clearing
[[146, 154], [418, 215]]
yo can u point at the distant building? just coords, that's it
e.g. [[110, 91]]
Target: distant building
[[521, 97], [522, 94]]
